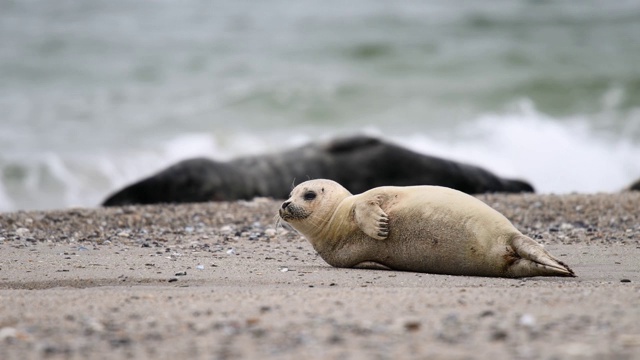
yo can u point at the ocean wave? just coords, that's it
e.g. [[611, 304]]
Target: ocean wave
[[555, 155]]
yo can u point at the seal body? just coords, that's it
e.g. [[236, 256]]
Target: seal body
[[359, 163], [428, 229]]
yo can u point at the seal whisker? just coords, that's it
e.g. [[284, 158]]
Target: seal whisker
[[277, 224]]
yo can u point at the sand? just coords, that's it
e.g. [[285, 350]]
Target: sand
[[218, 281]]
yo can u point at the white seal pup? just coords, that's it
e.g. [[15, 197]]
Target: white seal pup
[[429, 229]]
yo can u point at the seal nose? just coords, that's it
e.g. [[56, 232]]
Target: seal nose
[[285, 204]]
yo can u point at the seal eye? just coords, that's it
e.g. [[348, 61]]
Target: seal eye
[[309, 195]]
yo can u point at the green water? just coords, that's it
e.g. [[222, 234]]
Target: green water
[[96, 94]]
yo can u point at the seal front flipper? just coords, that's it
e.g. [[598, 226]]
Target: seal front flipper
[[371, 219]]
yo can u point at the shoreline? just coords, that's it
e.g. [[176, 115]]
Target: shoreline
[[217, 280]]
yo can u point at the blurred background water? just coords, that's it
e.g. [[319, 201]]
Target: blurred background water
[[96, 94]]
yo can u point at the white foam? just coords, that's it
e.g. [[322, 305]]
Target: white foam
[[555, 156], [5, 201]]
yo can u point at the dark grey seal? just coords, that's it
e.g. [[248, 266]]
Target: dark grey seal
[[359, 163]]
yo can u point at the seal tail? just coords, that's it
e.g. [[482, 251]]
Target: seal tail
[[534, 260]]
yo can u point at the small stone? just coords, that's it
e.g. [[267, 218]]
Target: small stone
[[231, 251], [566, 226], [200, 267], [499, 334], [284, 269], [527, 320], [8, 333], [93, 326], [412, 326], [270, 232], [173, 280], [22, 231], [487, 313], [335, 339], [121, 341]]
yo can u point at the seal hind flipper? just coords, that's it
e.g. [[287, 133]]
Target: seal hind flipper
[[371, 265], [371, 219], [535, 260]]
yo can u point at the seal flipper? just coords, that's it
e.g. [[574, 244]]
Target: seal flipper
[[371, 265], [535, 260], [371, 219]]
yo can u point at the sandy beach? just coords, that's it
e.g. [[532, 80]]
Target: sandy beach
[[219, 281]]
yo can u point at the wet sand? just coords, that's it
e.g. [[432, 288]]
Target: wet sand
[[217, 281]]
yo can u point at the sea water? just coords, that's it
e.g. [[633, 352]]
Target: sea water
[[97, 94]]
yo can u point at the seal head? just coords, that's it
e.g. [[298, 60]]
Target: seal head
[[312, 204]]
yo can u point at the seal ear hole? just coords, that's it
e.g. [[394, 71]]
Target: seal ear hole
[[309, 195]]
